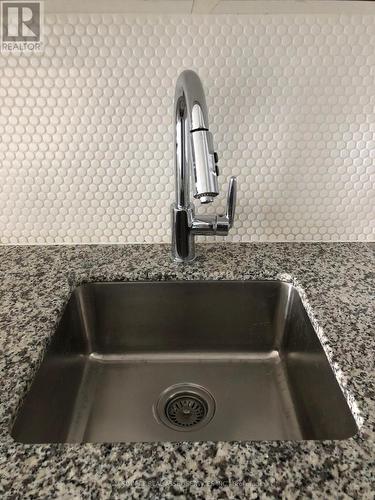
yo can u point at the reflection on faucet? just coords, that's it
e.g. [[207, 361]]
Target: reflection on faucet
[[196, 160]]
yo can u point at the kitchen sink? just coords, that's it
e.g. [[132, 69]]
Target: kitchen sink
[[184, 361]]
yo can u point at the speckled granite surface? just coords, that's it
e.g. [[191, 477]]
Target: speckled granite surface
[[338, 285]]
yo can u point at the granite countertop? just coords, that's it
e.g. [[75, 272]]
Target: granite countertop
[[337, 284]]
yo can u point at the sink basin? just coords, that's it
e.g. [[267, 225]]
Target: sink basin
[[184, 361]]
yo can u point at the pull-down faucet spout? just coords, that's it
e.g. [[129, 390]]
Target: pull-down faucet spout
[[196, 162]]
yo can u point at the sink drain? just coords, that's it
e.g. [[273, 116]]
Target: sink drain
[[185, 410], [185, 407]]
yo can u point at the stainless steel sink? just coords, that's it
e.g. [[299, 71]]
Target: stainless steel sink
[[184, 361]]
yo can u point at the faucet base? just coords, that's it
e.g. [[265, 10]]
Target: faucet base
[[183, 244]]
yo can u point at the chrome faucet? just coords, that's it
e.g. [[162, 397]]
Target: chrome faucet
[[196, 161]]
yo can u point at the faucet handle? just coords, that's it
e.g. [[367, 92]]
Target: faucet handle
[[231, 201], [222, 223]]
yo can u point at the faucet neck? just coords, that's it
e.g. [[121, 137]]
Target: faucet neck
[[181, 158], [195, 158], [190, 114]]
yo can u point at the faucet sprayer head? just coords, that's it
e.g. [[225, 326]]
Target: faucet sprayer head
[[203, 157], [205, 170]]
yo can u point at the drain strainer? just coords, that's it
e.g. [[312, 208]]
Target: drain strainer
[[186, 410], [185, 407]]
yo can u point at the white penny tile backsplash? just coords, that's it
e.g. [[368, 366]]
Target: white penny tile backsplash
[[86, 142]]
